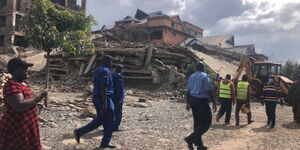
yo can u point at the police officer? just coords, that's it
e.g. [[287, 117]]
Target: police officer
[[294, 98], [226, 97], [102, 99], [119, 94], [243, 97], [200, 90]]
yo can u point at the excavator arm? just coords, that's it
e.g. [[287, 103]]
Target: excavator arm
[[246, 64]]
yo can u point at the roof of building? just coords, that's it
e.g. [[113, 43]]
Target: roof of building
[[140, 15], [224, 41], [243, 49]]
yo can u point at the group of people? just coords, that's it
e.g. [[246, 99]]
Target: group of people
[[19, 128], [108, 98], [200, 91]]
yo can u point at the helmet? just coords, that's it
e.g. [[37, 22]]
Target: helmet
[[245, 109]]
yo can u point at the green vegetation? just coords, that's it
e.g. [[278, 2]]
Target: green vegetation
[[290, 69], [48, 28]]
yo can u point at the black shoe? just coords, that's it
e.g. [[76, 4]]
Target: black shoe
[[227, 123], [251, 121], [271, 127], [237, 124], [77, 135], [118, 130], [189, 142], [107, 146], [202, 148]]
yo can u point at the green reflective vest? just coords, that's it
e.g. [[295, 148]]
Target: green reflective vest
[[242, 90], [225, 90]]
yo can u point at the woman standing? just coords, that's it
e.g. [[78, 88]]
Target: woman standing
[[19, 129]]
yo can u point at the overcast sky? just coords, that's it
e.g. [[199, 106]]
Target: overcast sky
[[273, 26]]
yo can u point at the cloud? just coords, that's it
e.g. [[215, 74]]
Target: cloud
[[274, 30], [272, 26]]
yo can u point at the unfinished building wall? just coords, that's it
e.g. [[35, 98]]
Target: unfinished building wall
[[172, 37]]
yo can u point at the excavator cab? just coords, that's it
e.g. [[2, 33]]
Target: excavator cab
[[262, 70]]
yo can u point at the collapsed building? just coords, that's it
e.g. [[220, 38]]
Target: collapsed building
[[224, 46], [12, 39], [154, 27]]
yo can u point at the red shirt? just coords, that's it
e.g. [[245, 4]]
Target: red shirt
[[19, 130]]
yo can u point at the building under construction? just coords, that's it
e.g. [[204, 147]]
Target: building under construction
[[12, 39]]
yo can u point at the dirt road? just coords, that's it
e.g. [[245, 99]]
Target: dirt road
[[162, 124]]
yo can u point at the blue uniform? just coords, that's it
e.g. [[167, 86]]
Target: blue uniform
[[102, 77], [199, 84], [118, 97]]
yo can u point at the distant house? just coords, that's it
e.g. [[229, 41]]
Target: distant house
[[157, 27]]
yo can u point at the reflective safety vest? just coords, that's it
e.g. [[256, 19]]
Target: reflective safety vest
[[242, 90], [225, 90]]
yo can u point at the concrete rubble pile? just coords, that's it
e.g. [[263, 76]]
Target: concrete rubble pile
[[143, 63]]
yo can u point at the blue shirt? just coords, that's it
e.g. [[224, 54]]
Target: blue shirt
[[119, 88], [102, 76], [199, 84]]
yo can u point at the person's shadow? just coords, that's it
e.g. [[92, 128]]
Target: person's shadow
[[86, 136], [226, 127], [261, 129], [291, 125]]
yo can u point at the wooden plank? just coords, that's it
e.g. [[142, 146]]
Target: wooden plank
[[89, 67], [58, 69], [138, 71], [81, 69], [139, 77]]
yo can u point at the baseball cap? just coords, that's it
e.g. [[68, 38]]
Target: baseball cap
[[17, 63]]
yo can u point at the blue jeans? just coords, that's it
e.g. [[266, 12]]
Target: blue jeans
[[118, 113], [106, 119]]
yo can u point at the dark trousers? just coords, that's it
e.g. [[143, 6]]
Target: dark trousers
[[118, 113], [238, 107], [270, 111], [106, 119], [226, 107], [296, 110], [202, 119]]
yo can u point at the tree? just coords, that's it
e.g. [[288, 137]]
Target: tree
[[48, 28], [290, 69]]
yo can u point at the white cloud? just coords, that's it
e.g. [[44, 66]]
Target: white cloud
[[272, 25]]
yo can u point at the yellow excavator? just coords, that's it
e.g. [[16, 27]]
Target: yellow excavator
[[258, 73]]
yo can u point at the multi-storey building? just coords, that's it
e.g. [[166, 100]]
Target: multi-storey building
[[11, 11]]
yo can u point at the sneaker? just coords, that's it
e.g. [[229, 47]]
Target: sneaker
[[271, 127], [189, 143], [202, 148]]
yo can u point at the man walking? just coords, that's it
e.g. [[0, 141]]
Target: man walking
[[226, 97], [199, 91], [294, 98], [271, 95], [119, 94], [243, 98], [102, 99]]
